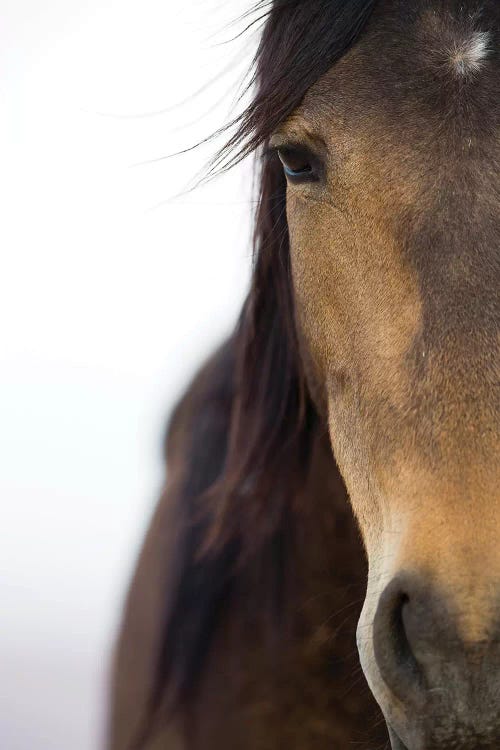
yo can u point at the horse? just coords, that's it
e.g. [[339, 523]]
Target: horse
[[323, 567]]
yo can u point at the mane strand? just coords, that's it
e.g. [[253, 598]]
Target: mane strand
[[242, 514]]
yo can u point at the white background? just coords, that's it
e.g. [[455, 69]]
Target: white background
[[111, 292]]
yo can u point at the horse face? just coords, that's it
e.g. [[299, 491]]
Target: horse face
[[393, 204]]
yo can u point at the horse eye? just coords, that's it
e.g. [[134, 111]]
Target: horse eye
[[297, 164]]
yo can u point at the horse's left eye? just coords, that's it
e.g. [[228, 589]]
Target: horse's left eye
[[297, 164]]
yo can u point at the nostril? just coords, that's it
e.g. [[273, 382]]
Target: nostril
[[393, 652], [402, 648]]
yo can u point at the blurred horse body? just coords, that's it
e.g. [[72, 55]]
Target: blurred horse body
[[244, 673]]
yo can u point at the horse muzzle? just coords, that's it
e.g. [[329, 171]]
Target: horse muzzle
[[445, 676]]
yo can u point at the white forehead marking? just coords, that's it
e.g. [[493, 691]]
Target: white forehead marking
[[467, 55]]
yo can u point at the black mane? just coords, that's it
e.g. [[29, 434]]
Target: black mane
[[236, 510]]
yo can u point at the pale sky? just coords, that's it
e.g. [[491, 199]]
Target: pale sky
[[111, 293]]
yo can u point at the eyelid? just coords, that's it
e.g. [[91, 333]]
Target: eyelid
[[310, 142], [305, 150], [278, 140], [281, 145], [281, 142]]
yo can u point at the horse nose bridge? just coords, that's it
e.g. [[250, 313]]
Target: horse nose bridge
[[457, 575]]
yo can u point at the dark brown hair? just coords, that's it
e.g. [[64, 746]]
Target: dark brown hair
[[255, 458]]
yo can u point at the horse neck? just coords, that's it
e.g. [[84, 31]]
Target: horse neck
[[287, 642]]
